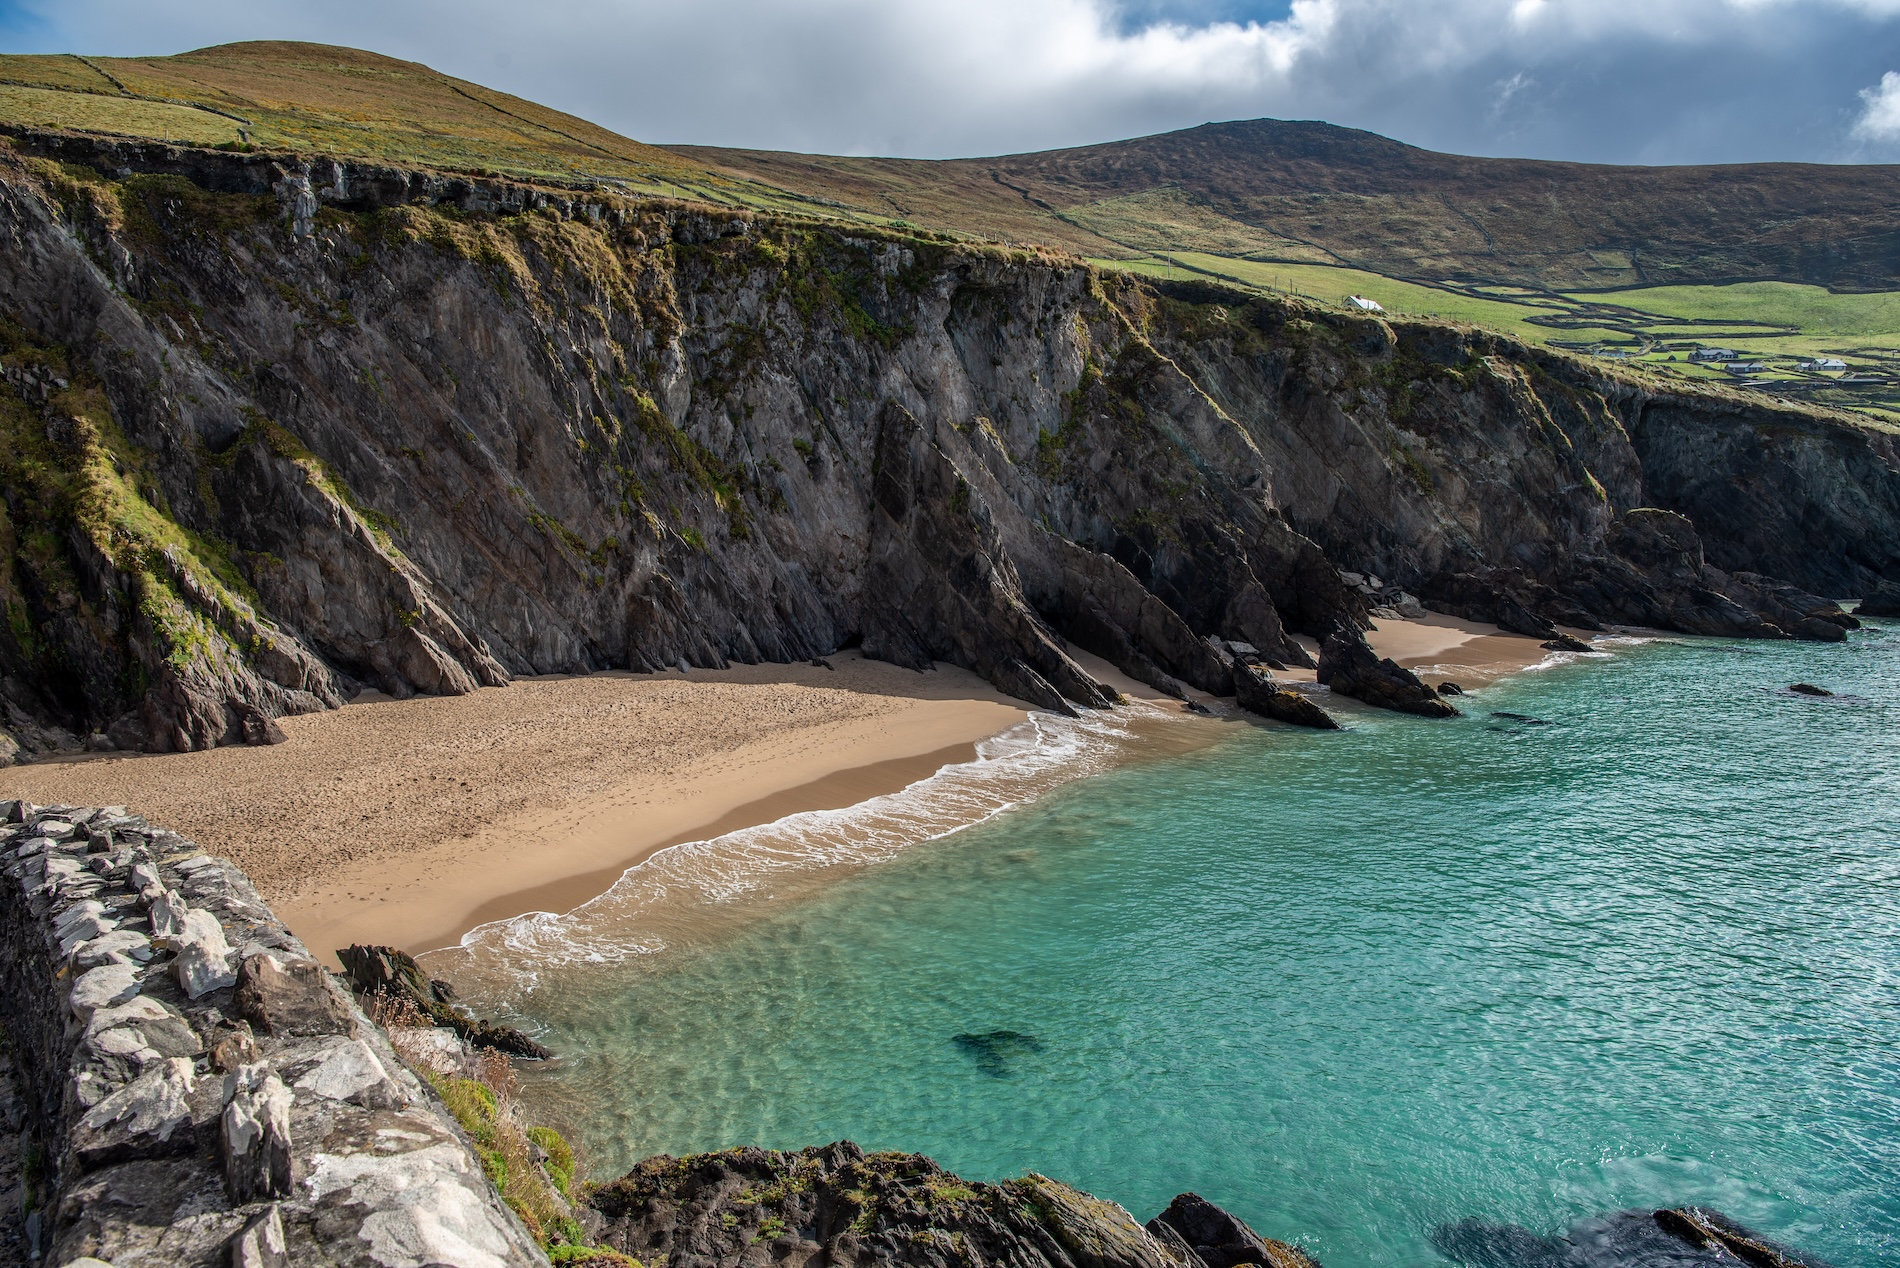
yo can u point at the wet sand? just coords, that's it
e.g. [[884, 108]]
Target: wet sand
[[410, 822]]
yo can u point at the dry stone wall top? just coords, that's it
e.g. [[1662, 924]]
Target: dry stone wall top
[[198, 1089]]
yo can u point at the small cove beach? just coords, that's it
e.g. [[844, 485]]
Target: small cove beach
[[412, 822]]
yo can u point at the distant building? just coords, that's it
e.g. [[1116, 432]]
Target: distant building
[[1824, 364], [1744, 367], [1365, 305], [1713, 354]]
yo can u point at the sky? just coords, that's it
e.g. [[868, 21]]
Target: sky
[[1626, 81]]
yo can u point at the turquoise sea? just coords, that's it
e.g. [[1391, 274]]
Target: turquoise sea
[[1637, 945]]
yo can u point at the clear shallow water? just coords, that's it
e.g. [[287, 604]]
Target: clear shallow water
[[1350, 986]]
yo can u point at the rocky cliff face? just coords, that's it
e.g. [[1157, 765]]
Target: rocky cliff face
[[277, 431]]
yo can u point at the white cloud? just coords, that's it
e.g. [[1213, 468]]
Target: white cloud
[[1635, 80], [1880, 121]]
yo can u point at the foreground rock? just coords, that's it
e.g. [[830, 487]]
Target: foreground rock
[[202, 1093], [839, 1207], [1259, 693]]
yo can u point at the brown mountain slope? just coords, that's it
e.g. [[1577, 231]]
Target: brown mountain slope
[[1313, 192], [313, 97]]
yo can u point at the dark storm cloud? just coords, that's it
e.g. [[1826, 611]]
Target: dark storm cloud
[[1606, 80]]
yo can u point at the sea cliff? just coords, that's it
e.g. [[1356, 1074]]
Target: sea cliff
[[279, 429]]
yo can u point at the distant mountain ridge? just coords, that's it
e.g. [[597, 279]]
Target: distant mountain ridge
[[1263, 189], [1312, 192]]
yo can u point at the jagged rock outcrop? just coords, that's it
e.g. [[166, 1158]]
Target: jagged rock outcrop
[[1350, 668], [1257, 692], [836, 1205], [278, 429], [387, 975], [1218, 1239], [202, 1093]]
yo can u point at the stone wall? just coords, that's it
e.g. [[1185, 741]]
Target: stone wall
[[194, 1089]]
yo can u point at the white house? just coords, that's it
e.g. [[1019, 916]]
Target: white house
[[1365, 305], [1823, 364], [1713, 354]]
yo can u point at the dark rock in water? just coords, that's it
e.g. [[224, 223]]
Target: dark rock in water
[[1803, 615], [1257, 693], [1349, 667], [1450, 689], [1809, 689], [1195, 706], [834, 1205], [1565, 643], [819, 662], [1221, 1240], [393, 976], [1883, 600], [993, 1049], [1682, 1238], [1524, 718]]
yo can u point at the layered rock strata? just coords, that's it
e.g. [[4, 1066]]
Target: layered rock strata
[[278, 429], [201, 1091]]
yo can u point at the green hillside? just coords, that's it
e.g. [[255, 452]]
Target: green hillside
[[1782, 262]]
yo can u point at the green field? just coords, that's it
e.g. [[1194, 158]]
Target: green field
[[1776, 324]]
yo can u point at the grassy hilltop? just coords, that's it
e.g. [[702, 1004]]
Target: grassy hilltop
[[1782, 262]]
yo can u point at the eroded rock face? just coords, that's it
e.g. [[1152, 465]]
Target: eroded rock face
[[565, 432], [837, 1206], [203, 1094]]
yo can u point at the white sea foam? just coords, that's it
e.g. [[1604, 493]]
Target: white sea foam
[[1016, 766]]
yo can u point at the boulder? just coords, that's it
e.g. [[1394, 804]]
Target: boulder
[[107, 986], [141, 1024], [254, 1134], [120, 946], [1259, 693], [1882, 600], [203, 962], [150, 1117], [1220, 1240], [297, 998], [1809, 689], [1349, 667], [349, 1070]]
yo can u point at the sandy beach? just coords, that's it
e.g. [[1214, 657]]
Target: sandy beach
[[410, 822]]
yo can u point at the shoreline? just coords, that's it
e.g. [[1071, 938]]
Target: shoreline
[[369, 826]]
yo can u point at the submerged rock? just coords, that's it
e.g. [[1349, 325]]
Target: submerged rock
[[837, 1205], [1809, 689], [993, 1049], [1686, 1237]]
